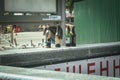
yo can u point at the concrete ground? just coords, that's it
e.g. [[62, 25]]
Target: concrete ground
[[24, 38]]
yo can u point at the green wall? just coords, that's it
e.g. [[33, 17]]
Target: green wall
[[97, 21]]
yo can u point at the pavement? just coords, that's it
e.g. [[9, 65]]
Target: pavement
[[23, 39]]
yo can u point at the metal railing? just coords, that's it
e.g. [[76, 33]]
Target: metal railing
[[15, 73]]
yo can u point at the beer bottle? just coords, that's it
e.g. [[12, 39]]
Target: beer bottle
[[67, 36]]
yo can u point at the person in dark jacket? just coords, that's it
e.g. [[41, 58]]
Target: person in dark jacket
[[58, 36]]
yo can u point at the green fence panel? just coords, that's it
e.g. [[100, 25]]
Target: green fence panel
[[97, 21]]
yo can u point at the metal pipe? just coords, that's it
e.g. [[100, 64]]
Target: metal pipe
[[63, 21]]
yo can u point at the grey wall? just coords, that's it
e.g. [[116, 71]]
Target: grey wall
[[28, 58], [1, 7]]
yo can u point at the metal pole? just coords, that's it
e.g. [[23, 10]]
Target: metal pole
[[0, 32], [63, 18], [12, 35]]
